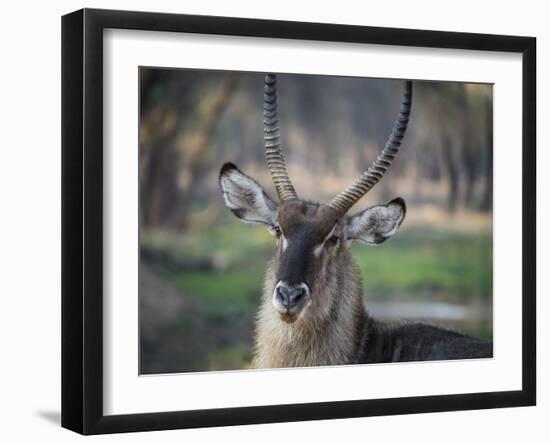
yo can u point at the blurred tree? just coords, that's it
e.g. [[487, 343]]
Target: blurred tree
[[487, 199], [174, 144], [332, 128]]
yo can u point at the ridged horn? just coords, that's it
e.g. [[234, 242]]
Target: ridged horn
[[346, 199], [274, 156]]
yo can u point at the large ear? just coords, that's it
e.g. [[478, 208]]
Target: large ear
[[246, 198], [375, 225]]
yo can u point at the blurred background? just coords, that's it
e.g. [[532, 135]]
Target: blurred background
[[201, 270]]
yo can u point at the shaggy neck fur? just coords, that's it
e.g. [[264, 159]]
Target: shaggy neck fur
[[329, 331]]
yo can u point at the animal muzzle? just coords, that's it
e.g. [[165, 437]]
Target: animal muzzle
[[289, 300]]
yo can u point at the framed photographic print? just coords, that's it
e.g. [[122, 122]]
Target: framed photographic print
[[270, 221]]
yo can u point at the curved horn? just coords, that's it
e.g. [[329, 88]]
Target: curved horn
[[274, 156], [346, 199]]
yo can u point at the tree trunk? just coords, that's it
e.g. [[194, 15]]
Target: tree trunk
[[192, 154], [452, 172], [487, 200]]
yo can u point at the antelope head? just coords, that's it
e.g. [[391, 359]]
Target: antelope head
[[311, 236]]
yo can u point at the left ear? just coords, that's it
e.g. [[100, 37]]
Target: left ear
[[375, 225]]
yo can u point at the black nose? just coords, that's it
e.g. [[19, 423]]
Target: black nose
[[290, 297]]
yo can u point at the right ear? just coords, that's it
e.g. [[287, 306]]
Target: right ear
[[246, 198]]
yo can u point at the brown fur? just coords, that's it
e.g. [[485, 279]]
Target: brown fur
[[330, 328], [335, 328]]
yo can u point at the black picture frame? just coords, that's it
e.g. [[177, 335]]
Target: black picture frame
[[82, 220]]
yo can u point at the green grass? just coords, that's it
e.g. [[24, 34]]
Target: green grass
[[237, 286], [428, 261], [230, 240]]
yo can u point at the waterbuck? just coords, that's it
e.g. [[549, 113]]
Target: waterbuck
[[312, 311]]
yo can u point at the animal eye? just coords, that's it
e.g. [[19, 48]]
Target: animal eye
[[332, 240], [277, 231]]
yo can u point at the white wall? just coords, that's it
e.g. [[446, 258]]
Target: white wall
[[30, 218]]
